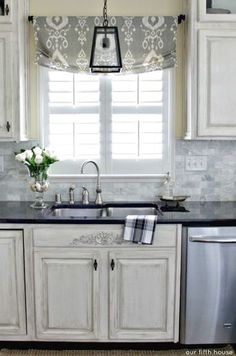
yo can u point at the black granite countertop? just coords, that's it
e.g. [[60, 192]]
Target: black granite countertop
[[209, 213]]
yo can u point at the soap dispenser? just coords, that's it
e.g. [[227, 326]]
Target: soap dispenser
[[167, 187]]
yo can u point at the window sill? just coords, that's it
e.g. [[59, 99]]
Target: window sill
[[148, 178]]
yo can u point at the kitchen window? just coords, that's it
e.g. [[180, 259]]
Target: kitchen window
[[123, 122]]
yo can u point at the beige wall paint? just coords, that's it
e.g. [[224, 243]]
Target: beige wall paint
[[122, 8]]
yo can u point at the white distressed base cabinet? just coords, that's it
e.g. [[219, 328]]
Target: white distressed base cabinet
[[12, 285], [67, 294], [85, 283], [142, 294], [91, 285]]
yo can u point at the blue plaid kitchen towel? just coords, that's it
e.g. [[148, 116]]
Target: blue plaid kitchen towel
[[140, 228]]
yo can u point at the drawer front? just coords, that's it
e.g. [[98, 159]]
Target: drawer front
[[96, 235]]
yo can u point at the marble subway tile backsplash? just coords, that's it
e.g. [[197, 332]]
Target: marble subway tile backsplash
[[217, 182]]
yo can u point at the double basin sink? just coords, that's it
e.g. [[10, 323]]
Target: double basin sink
[[109, 210]]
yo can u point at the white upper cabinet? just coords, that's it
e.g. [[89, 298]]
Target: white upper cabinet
[[217, 10], [13, 69], [6, 83], [211, 43], [217, 83]]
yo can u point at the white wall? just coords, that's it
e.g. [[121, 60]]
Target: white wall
[[94, 7]]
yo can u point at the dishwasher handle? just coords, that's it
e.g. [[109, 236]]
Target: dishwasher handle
[[213, 239]]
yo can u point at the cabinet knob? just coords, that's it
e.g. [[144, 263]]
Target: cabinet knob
[[8, 126], [95, 265], [6, 10], [112, 265]]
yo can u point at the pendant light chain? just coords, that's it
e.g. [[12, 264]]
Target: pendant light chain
[[105, 20]]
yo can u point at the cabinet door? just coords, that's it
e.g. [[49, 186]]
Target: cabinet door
[[142, 291], [67, 294], [12, 284], [217, 83], [6, 89]]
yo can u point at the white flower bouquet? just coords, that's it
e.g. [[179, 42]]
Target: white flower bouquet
[[37, 160]]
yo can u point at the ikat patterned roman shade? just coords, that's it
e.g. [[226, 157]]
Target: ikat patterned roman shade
[[147, 43]]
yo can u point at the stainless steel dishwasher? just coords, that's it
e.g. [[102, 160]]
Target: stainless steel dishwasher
[[208, 290]]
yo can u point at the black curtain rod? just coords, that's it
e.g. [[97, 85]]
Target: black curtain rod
[[181, 18]]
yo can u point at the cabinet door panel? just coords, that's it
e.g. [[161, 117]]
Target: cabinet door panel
[[142, 295], [67, 295], [216, 83], [12, 289], [6, 102]]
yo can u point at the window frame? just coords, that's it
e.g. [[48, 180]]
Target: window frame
[[168, 112]]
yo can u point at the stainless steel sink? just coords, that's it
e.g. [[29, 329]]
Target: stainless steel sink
[[116, 211], [76, 212], [105, 211]]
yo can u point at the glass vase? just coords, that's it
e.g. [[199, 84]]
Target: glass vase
[[39, 186]]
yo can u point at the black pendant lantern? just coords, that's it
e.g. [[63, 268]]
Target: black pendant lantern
[[105, 54]]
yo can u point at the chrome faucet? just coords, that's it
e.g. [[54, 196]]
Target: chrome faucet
[[98, 188], [85, 196], [72, 195]]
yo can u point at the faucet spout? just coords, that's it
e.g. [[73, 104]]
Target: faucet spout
[[98, 187]]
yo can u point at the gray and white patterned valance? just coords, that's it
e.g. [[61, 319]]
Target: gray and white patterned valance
[[147, 43]]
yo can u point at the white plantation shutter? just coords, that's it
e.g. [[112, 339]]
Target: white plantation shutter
[[67, 89], [137, 120], [139, 129], [73, 113], [142, 89], [137, 136], [122, 122], [74, 135]]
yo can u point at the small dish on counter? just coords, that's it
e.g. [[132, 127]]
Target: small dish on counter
[[173, 203], [175, 198]]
